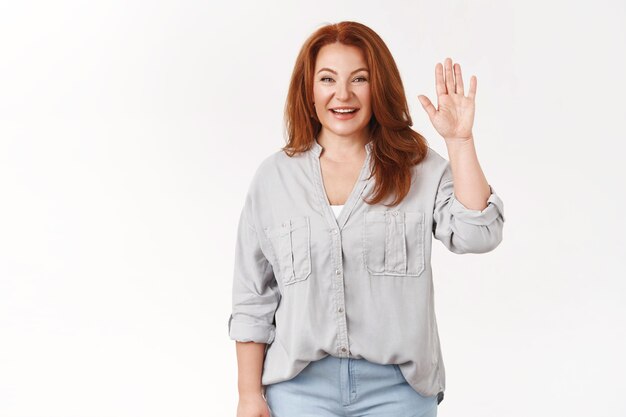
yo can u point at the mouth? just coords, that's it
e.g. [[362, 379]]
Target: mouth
[[344, 110]]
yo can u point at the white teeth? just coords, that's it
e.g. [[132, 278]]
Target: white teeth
[[344, 110]]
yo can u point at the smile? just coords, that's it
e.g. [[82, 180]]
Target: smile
[[344, 114]]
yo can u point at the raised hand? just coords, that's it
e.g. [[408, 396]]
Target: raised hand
[[454, 117]]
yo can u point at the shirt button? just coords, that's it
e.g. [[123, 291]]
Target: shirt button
[[395, 213], [343, 349], [338, 271], [340, 309], [334, 231]]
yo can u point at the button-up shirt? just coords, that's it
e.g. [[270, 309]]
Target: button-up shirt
[[359, 285]]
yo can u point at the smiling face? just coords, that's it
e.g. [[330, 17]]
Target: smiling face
[[341, 81]]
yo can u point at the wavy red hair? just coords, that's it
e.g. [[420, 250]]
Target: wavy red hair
[[396, 147]]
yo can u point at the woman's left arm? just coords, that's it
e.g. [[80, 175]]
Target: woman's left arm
[[454, 120], [470, 185]]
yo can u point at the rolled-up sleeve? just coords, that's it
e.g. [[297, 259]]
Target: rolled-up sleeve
[[255, 294], [463, 230]]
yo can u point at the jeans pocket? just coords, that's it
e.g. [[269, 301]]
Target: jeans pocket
[[399, 372], [393, 242]]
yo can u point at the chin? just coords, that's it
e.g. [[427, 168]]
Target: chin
[[346, 130]]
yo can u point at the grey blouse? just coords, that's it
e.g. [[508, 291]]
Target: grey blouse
[[359, 285]]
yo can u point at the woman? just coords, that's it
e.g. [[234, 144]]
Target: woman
[[333, 309]]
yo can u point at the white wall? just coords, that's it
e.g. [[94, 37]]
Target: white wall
[[129, 131]]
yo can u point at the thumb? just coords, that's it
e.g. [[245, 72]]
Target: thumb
[[427, 105]]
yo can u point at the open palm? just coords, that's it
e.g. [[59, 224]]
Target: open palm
[[454, 117]]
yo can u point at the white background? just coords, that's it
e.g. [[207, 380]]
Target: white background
[[129, 132]]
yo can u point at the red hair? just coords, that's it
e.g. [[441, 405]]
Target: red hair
[[396, 147]]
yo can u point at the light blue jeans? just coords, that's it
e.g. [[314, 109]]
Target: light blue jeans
[[348, 387]]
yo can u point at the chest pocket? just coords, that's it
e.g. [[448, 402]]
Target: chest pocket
[[291, 244], [393, 242]]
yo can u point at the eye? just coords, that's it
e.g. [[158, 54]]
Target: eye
[[357, 78]]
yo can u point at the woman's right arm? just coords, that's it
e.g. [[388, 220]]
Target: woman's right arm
[[250, 356], [251, 324]]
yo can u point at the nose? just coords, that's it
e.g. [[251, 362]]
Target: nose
[[343, 90]]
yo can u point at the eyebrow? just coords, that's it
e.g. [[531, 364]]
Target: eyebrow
[[335, 72]]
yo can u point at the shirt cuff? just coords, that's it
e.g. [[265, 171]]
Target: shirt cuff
[[250, 332], [494, 209]]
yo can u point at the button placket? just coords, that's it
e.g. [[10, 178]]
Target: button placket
[[336, 224], [340, 295]]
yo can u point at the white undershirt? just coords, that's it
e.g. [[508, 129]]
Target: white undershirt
[[337, 209]]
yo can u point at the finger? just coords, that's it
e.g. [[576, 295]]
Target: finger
[[427, 105], [459, 79], [439, 83], [449, 76], [472, 90]]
